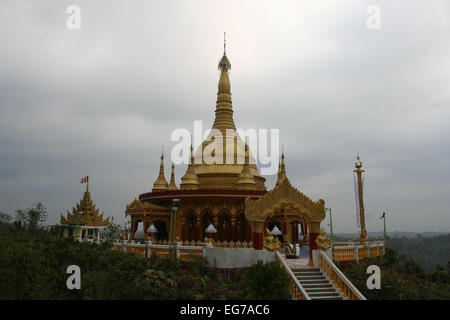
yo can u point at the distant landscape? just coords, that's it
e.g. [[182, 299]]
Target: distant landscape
[[428, 249]]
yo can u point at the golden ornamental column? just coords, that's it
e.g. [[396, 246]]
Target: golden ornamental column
[[359, 171]]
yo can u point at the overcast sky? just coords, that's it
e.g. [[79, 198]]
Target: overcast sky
[[100, 101]]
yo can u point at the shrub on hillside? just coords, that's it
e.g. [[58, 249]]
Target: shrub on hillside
[[266, 281]]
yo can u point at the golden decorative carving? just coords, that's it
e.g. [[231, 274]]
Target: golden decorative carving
[[270, 242], [314, 227], [138, 207], [323, 243], [284, 197]]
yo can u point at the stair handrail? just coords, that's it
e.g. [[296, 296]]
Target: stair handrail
[[295, 287], [345, 285]]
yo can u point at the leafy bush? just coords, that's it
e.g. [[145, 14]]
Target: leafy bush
[[266, 281]]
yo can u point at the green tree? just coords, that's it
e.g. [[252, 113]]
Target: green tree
[[32, 218], [4, 217], [112, 232]]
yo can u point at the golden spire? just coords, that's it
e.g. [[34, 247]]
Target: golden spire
[[224, 107], [190, 179], [282, 169], [172, 185], [161, 182], [246, 179]]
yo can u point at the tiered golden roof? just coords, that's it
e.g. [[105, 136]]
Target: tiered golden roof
[[85, 213]]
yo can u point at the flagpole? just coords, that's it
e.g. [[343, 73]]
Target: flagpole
[[384, 221], [331, 231]]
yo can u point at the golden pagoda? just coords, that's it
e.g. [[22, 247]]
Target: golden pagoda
[[85, 220], [231, 195]]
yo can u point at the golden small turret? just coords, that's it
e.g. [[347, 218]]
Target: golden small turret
[[161, 182], [190, 179], [246, 179], [281, 170], [172, 185]]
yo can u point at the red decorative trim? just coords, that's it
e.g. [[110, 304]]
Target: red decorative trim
[[203, 192]]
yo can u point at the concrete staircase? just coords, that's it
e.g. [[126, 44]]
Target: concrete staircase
[[317, 284]]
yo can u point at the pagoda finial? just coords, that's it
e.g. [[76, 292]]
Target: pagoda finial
[[224, 43], [224, 107], [358, 163]]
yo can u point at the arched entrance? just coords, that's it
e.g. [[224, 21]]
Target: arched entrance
[[289, 204], [224, 227], [271, 223], [191, 223], [207, 219], [241, 228], [162, 230]]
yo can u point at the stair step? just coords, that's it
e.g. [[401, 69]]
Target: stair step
[[326, 298], [326, 294], [330, 290], [306, 270], [317, 286], [311, 278], [313, 282], [307, 274]]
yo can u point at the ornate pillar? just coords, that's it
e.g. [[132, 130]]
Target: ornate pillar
[[258, 235], [183, 228], [146, 226], [134, 225], [216, 225], [284, 229], [233, 228], [295, 232], [313, 233], [197, 229]]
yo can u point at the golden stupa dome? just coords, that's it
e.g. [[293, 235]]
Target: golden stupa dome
[[220, 159]]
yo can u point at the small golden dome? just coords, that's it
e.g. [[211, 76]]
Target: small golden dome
[[161, 182]]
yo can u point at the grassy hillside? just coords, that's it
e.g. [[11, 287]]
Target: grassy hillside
[[401, 279], [34, 267]]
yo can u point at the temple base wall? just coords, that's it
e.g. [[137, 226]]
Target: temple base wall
[[236, 257]]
